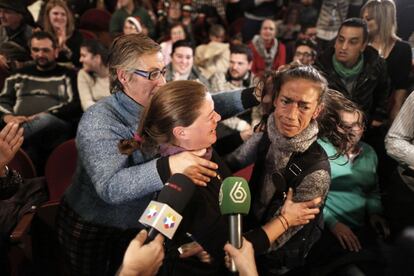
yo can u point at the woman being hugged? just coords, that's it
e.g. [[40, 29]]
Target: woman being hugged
[[59, 21]]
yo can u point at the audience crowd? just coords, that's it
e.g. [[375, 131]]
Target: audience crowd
[[313, 97]]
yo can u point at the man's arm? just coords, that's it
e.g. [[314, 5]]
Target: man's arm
[[230, 103], [399, 140]]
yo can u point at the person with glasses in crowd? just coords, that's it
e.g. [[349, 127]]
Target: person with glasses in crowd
[[99, 212], [305, 51]]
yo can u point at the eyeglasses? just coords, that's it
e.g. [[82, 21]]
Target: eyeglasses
[[303, 54], [151, 75]]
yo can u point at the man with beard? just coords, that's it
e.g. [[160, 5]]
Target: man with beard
[[42, 98], [238, 75]]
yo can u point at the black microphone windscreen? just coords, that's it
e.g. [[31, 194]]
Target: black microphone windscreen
[[177, 192]]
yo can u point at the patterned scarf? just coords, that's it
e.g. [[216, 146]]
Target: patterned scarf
[[278, 155], [268, 56]]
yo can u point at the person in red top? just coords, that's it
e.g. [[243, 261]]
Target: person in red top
[[268, 52]]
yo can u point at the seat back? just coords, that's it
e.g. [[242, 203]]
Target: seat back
[[23, 164], [60, 168], [95, 20]]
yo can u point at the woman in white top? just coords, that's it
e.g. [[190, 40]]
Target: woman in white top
[[93, 78]]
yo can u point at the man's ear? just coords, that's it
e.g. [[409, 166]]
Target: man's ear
[[318, 110]]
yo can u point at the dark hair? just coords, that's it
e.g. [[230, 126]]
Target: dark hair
[[175, 104], [307, 42], [357, 23], [43, 35], [96, 48], [216, 30], [182, 43], [330, 120], [242, 49], [272, 81]]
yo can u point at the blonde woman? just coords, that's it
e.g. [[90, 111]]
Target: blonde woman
[[58, 20], [382, 25]]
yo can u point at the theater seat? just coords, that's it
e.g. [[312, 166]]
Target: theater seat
[[23, 164]]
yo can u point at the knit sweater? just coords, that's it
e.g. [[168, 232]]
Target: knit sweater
[[354, 190], [31, 91]]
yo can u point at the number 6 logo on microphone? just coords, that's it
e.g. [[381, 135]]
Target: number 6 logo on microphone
[[238, 194]]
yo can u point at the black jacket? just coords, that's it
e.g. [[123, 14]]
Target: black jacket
[[372, 86]]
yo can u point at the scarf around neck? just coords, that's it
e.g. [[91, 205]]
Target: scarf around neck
[[168, 149], [346, 72], [278, 155], [268, 56]]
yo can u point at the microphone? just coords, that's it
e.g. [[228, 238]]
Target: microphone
[[234, 200], [163, 216]]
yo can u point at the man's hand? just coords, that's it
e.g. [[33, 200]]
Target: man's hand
[[301, 212], [14, 119], [243, 258], [192, 165], [140, 259], [346, 237], [11, 138]]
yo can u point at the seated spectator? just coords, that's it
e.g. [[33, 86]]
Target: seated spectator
[[128, 8], [43, 98], [177, 32], [171, 13], [305, 52], [93, 78], [238, 75], [14, 19], [268, 52], [58, 20], [182, 64], [17, 196], [289, 27], [132, 25], [353, 209], [213, 57], [307, 32]]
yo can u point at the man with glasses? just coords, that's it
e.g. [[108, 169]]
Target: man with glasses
[[100, 210], [305, 51], [43, 98]]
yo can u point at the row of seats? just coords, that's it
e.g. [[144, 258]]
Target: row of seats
[[34, 240]]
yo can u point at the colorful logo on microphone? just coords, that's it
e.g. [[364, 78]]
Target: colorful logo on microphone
[[152, 212], [169, 221]]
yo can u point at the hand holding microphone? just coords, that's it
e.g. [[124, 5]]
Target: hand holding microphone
[[163, 216], [234, 201]]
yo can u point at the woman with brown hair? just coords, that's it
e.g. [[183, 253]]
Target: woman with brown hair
[[58, 20]]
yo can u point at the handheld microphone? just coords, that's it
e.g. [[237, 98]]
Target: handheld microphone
[[163, 216], [234, 200]]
